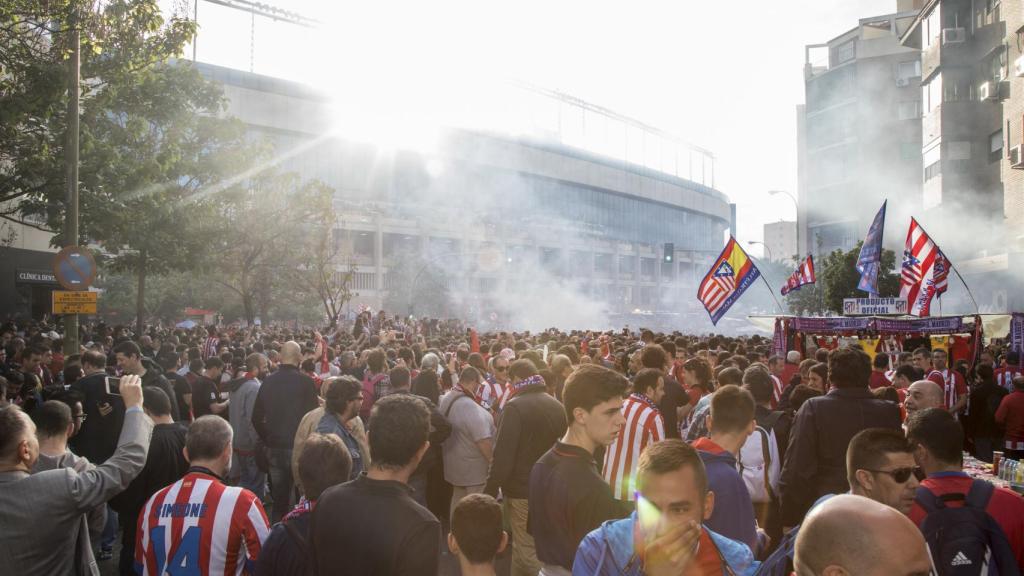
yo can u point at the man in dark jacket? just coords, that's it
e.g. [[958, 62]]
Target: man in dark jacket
[[131, 361], [104, 413], [324, 462], [440, 430], [568, 497], [675, 397], [372, 525], [815, 463], [530, 424], [165, 465], [284, 398]]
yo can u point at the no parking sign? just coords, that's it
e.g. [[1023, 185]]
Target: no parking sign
[[74, 268]]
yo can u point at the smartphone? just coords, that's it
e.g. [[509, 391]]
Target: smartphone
[[113, 385]]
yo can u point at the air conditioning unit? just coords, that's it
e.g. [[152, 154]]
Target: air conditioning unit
[[988, 91], [1017, 157], [954, 35], [1018, 66], [903, 82]]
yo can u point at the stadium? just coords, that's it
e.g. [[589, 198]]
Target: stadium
[[567, 194]]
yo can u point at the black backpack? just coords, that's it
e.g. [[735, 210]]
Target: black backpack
[[965, 541]]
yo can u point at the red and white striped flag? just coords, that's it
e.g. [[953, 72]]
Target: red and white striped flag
[[804, 275], [925, 271]]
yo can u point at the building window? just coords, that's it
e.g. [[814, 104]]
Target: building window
[[997, 65], [995, 146], [931, 94], [846, 52], [909, 110], [995, 141], [931, 28], [932, 161], [908, 69]]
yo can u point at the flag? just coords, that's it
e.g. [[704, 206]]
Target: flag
[[870, 258], [729, 277], [925, 270], [804, 275]]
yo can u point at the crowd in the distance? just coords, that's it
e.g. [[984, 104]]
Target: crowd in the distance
[[582, 452]]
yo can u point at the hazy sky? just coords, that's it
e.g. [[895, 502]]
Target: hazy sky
[[726, 76]]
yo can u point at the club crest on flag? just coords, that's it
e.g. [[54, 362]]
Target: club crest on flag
[[804, 275], [870, 258], [728, 278], [925, 270]]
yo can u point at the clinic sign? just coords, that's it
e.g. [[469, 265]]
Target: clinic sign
[[874, 306], [25, 276]]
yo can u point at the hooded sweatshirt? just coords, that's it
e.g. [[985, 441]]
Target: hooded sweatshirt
[[609, 551], [733, 516]]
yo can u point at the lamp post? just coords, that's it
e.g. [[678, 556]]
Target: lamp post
[[766, 249], [796, 206]]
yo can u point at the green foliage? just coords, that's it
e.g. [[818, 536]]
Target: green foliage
[[266, 234], [839, 277]]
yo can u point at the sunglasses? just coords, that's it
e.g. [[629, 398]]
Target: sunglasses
[[900, 475], [500, 368]]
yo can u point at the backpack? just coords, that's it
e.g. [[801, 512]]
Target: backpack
[[758, 465], [369, 384], [758, 462], [965, 541]]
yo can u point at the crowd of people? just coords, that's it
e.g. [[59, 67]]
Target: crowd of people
[[388, 445]]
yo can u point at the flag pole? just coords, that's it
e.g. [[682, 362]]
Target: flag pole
[[765, 280], [958, 275], [966, 287]]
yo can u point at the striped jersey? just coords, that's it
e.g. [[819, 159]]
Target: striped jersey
[[198, 526], [953, 385], [490, 392], [1005, 376], [777, 388], [644, 426], [210, 347]]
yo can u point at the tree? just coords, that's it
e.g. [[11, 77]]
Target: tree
[[416, 287], [268, 231], [154, 142], [324, 271], [839, 277]]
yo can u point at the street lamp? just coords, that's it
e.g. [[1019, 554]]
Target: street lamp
[[796, 206], [766, 249]]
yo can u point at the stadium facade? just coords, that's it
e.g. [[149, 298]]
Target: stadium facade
[[487, 208]]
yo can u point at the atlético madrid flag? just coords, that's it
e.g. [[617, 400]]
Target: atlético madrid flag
[[730, 276], [925, 271], [804, 275]]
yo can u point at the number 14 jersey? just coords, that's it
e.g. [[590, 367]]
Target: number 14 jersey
[[200, 527]]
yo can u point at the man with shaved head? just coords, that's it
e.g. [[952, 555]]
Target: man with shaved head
[[922, 395], [283, 399], [851, 535]]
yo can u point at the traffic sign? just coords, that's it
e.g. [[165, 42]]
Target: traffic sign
[[74, 268], [74, 302]]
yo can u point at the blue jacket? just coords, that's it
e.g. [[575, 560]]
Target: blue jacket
[[608, 551], [733, 516]]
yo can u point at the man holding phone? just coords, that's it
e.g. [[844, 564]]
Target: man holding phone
[[665, 535], [42, 529], [104, 413]]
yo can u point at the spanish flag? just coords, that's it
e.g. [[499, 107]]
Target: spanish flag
[[729, 277]]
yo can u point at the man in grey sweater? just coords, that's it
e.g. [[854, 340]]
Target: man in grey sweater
[[41, 532]]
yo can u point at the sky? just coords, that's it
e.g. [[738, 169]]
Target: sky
[[725, 76]]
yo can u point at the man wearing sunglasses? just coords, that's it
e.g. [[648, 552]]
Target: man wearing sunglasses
[[495, 382], [880, 465]]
